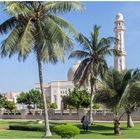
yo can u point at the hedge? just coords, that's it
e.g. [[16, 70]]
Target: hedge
[[26, 128], [31, 127]]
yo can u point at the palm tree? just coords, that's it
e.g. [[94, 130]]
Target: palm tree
[[130, 100], [114, 86], [93, 65], [129, 109], [35, 27]]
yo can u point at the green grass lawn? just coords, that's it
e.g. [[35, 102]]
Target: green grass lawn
[[100, 130]]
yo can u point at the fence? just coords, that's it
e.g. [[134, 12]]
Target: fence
[[99, 115]]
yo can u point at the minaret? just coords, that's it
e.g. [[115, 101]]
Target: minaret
[[119, 61]]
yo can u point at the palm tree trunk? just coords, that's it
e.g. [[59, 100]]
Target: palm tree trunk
[[130, 123], [116, 125], [47, 127], [91, 100]]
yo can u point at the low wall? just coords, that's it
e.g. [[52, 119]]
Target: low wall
[[98, 115]]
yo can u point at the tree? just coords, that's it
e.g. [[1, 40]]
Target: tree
[[77, 98], [111, 90], [2, 101], [9, 105], [53, 106], [129, 109], [31, 98], [35, 26], [40, 104], [130, 99], [93, 65], [36, 97]]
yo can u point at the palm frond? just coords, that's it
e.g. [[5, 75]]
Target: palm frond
[[17, 8], [52, 52], [26, 40], [106, 96], [116, 52], [79, 54], [64, 24], [53, 32], [126, 78], [95, 35], [9, 44], [82, 72], [131, 93], [63, 6], [86, 44], [7, 25]]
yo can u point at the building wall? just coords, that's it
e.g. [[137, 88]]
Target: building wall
[[55, 90]]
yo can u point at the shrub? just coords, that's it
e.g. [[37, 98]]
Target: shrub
[[26, 128], [31, 126], [66, 131], [96, 106]]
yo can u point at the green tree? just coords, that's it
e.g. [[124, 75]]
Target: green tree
[[53, 106], [2, 100], [36, 97], [77, 98], [93, 65], [111, 90], [36, 27], [130, 99], [40, 104], [31, 98], [9, 105]]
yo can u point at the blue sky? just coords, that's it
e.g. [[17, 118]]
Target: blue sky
[[22, 76]]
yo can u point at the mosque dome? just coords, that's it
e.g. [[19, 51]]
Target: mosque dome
[[119, 16], [72, 70]]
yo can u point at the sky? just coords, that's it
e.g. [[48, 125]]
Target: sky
[[22, 76]]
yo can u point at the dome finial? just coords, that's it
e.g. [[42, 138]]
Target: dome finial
[[119, 16]]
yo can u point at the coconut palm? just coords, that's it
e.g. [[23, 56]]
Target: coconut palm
[[93, 65], [114, 86], [34, 26]]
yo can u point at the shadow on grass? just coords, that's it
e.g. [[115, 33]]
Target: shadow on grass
[[112, 134], [57, 123], [97, 127], [107, 134], [86, 132]]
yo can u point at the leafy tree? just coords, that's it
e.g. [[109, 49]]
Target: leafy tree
[[53, 106], [35, 27], [33, 97], [40, 104], [77, 98], [65, 100], [9, 105], [2, 100], [93, 65], [36, 96], [110, 92]]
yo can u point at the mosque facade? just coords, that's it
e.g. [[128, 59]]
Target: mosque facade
[[56, 89]]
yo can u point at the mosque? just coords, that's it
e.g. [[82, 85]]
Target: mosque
[[56, 89]]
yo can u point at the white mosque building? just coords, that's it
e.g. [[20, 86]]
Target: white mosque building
[[56, 89]]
